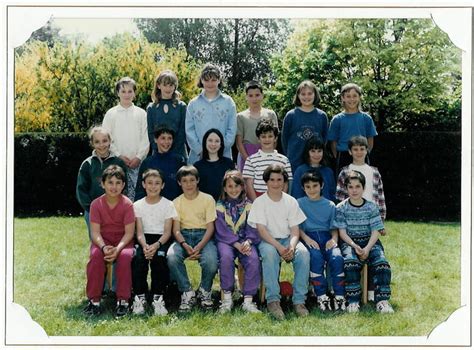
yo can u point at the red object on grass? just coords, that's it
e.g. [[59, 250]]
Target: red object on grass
[[286, 289]]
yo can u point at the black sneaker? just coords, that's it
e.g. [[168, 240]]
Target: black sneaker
[[121, 309], [92, 310]]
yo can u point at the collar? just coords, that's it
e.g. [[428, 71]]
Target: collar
[[219, 94], [122, 108], [266, 154]]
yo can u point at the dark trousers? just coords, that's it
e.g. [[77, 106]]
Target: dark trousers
[[160, 274]]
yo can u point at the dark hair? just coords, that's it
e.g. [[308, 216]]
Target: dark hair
[[153, 172], [162, 129], [208, 72], [277, 169], [125, 81], [357, 141], [312, 175], [235, 176], [114, 171], [354, 175], [205, 152], [266, 125], [253, 84], [186, 170], [310, 85], [166, 77], [314, 143]]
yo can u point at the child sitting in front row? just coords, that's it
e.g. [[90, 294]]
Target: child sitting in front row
[[320, 237], [154, 220], [359, 223], [235, 237], [193, 231], [112, 225]]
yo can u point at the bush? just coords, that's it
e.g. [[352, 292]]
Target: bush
[[421, 173]]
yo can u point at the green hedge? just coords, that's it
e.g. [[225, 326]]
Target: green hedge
[[421, 173]]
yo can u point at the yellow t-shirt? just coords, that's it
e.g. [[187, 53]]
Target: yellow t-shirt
[[195, 213]]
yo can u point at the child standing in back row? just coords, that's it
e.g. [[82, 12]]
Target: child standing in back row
[[351, 122], [127, 125], [303, 122]]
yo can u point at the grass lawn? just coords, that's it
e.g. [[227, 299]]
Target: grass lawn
[[50, 255]]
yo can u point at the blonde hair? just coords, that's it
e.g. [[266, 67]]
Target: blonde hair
[[98, 129]]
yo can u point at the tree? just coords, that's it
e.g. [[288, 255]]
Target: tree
[[241, 47], [408, 69]]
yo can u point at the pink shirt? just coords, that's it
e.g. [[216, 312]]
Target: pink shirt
[[112, 221]]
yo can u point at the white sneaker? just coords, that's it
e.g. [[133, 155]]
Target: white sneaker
[[206, 298], [226, 305], [159, 306], [339, 303], [188, 299], [324, 303], [384, 307], [251, 307], [139, 304], [353, 308]]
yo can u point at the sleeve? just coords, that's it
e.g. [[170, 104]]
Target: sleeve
[[223, 233], [144, 144], [330, 185], [171, 212], [107, 123], [231, 129], [339, 218], [370, 127], [83, 186], [139, 190], [150, 124], [341, 191], [240, 125], [297, 190], [274, 117], [190, 126], [181, 132], [295, 214], [129, 214], [375, 219], [210, 210], [333, 132], [288, 169], [332, 217], [285, 130], [324, 128], [94, 215], [176, 203], [249, 169], [257, 214], [379, 195], [302, 207], [137, 208]]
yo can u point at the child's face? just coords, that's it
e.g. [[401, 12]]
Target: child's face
[[312, 190], [358, 154], [210, 84], [275, 183], [351, 100], [153, 186], [189, 184], [164, 142], [101, 144], [126, 94], [306, 96], [232, 189], [315, 156], [113, 186], [254, 97], [166, 90], [267, 141], [213, 143], [355, 189]]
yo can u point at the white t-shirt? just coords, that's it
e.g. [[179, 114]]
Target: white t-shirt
[[153, 216], [368, 172], [278, 217]]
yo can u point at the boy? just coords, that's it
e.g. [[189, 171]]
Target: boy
[[320, 237], [128, 127], [359, 223], [165, 160], [255, 165], [112, 224], [154, 219], [246, 140], [276, 215], [193, 230]]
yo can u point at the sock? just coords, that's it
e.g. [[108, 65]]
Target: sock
[[227, 295], [248, 299]]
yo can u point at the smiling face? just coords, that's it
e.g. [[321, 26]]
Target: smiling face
[[312, 190], [306, 96], [153, 186], [113, 186], [232, 189], [267, 141], [315, 156], [101, 144], [166, 90], [275, 183], [126, 94], [164, 142], [358, 153], [355, 190], [254, 98], [189, 184], [213, 144], [351, 101]]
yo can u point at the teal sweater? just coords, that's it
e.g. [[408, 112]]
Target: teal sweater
[[88, 185]]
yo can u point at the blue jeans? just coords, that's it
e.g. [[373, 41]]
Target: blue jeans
[[271, 270], [319, 257], [207, 261], [379, 267]]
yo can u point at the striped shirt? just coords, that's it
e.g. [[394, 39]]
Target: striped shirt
[[256, 164]]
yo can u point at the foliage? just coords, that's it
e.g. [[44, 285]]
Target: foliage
[[49, 281], [69, 87], [408, 69], [241, 47]]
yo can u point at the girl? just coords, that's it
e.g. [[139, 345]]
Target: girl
[[210, 109], [303, 122], [88, 185], [154, 219], [168, 109], [246, 139], [235, 237], [351, 122], [213, 164], [314, 159]]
